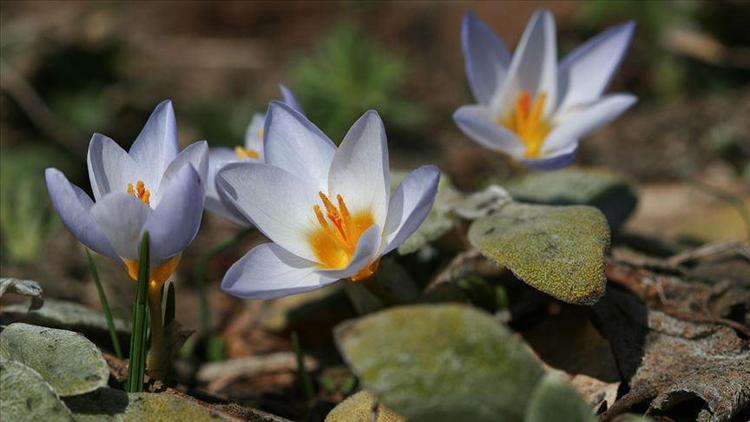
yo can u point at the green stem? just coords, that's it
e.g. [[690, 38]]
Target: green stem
[[304, 376], [138, 336], [105, 306], [200, 283], [156, 362]]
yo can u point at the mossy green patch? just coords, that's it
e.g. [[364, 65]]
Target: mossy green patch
[[556, 400], [441, 363], [360, 407], [556, 249], [26, 396]]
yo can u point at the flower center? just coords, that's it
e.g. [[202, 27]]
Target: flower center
[[140, 192], [243, 153], [335, 238], [159, 274], [527, 122]]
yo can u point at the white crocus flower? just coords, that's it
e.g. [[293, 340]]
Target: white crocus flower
[[327, 210], [529, 106], [250, 150], [153, 187]]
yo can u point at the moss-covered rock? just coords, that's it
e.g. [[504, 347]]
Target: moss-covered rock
[[558, 250], [598, 188], [68, 361], [361, 407], [443, 362], [556, 400]]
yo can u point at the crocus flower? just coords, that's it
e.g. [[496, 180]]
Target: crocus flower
[[252, 150], [529, 106], [327, 210], [152, 187]]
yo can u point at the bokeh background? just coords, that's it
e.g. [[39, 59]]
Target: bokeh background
[[73, 68]]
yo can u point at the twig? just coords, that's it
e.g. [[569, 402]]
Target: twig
[[712, 249], [251, 366]]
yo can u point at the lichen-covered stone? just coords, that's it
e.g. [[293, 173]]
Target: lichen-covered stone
[[361, 407], [556, 249], [556, 400], [63, 314], [68, 361], [598, 188], [26, 396], [28, 288], [442, 362]]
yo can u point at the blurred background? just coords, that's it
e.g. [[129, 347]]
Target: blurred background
[[70, 69]]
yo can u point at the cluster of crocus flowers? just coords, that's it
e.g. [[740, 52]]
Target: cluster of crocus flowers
[[251, 150], [531, 107], [328, 211]]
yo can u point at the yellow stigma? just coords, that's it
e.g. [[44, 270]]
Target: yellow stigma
[[246, 152], [159, 274], [527, 121], [335, 238], [140, 192]]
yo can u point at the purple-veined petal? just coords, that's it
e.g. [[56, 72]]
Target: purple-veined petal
[[73, 206], [555, 161], [589, 118], [289, 98], [368, 250], [278, 203], [360, 169], [485, 56], [110, 167], [585, 73], [174, 222], [410, 205], [268, 271], [476, 123], [534, 66], [293, 143], [156, 146], [121, 218]]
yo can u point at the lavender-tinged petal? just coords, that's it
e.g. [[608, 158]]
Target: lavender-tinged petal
[[110, 167], [410, 205], [368, 250], [485, 56], [121, 218], [289, 98], [562, 158], [476, 123], [156, 146]]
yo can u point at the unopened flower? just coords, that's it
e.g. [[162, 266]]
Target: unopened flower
[[327, 210], [152, 187], [251, 150], [529, 106]]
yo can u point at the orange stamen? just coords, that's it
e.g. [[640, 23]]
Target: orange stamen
[[243, 153], [528, 122], [140, 192]]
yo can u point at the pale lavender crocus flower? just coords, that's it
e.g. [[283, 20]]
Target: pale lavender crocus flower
[[531, 107], [153, 187], [328, 211], [251, 150]]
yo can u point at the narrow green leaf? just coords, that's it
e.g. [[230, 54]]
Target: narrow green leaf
[[138, 337], [105, 305], [303, 376]]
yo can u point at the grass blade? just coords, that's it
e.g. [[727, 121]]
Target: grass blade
[[169, 308], [105, 305], [137, 365], [302, 374]]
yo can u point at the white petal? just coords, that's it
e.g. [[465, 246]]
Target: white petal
[[121, 218], [268, 271], [554, 161], [254, 133], [279, 203], [486, 58], [360, 170], [288, 97], [217, 159], [534, 65], [175, 221], [73, 206], [110, 167], [195, 155], [475, 121], [368, 250], [410, 205], [156, 146], [296, 145], [585, 73], [586, 120]]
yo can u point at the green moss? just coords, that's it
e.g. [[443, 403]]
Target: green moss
[[558, 250], [359, 408]]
